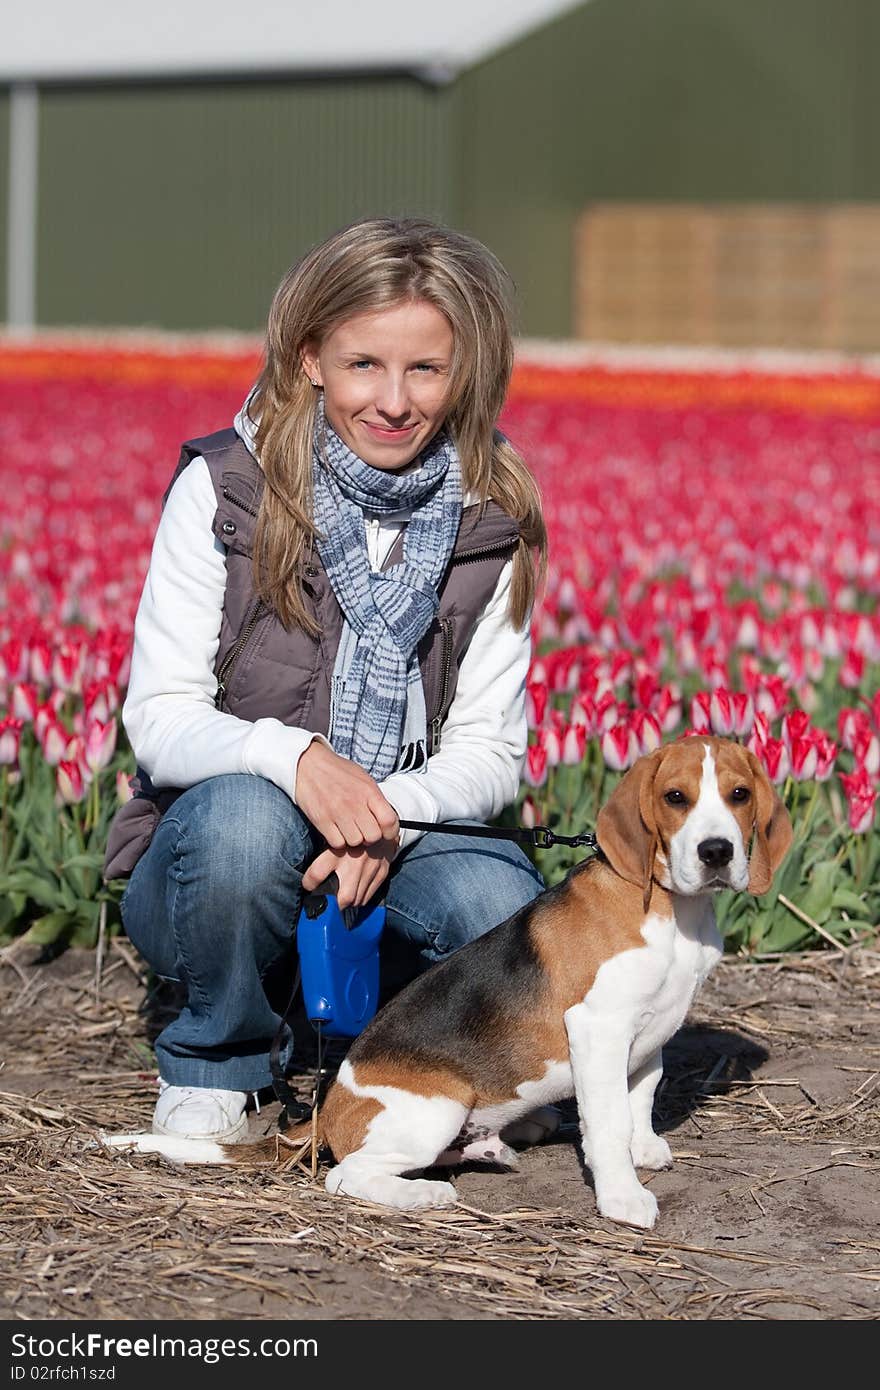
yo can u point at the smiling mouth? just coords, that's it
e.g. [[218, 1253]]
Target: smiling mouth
[[387, 430]]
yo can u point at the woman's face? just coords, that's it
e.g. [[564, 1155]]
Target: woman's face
[[386, 379]]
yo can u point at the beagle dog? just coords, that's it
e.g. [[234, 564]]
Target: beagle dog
[[574, 995]]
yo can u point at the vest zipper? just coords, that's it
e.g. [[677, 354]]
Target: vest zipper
[[231, 497], [481, 550], [446, 649], [231, 658]]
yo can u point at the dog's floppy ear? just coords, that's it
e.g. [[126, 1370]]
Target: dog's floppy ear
[[773, 830], [626, 828]]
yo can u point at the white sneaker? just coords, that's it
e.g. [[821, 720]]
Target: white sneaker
[[200, 1112]]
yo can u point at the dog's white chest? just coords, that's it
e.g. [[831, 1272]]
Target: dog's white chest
[[647, 991]]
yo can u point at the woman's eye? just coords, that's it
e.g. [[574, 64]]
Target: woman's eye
[[363, 363], [674, 797], [740, 794]]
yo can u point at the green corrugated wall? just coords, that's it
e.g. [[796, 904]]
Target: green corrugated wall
[[181, 207]]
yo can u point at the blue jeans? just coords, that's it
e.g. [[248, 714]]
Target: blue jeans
[[214, 902]]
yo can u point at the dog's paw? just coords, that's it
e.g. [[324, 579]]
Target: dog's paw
[[422, 1192], [632, 1205], [650, 1151], [387, 1189]]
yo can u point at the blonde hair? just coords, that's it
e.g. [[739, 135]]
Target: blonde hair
[[372, 265]]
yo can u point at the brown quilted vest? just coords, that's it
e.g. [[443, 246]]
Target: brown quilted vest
[[263, 670]]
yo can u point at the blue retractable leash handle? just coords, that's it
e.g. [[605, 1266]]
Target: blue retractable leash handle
[[339, 972], [339, 960]]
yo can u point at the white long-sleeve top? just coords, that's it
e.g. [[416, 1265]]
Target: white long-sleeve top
[[180, 738]]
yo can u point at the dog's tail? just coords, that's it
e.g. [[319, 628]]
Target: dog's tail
[[278, 1149]]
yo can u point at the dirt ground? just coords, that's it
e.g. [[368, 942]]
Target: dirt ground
[[771, 1103]]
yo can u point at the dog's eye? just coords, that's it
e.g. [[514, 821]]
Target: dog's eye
[[674, 797], [740, 794]]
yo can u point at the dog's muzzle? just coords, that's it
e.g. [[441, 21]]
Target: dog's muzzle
[[716, 854]]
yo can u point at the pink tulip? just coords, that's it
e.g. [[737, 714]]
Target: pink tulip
[[537, 695], [646, 689], [850, 724], [25, 701], [804, 757], [75, 752], [100, 744], [70, 783], [646, 728], [701, 712], [771, 697], [100, 700], [13, 660], [550, 741], [66, 668], [40, 661], [865, 749], [583, 712], [852, 670], [743, 712], [54, 742], [10, 741], [760, 733], [619, 747], [826, 753], [775, 758], [607, 711], [721, 715], [814, 663], [574, 745], [44, 716], [861, 796], [535, 770], [749, 630], [794, 726], [668, 708]]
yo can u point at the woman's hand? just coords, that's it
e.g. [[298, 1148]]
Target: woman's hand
[[343, 802], [360, 871]]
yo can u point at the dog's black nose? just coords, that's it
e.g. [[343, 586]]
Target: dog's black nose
[[715, 853]]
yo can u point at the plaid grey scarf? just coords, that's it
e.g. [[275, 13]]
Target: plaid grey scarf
[[377, 706]]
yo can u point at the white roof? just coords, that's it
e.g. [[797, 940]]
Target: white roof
[[74, 40]]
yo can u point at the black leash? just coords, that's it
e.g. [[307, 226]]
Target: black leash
[[540, 837]]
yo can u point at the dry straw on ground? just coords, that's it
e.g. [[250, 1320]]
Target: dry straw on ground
[[770, 1103]]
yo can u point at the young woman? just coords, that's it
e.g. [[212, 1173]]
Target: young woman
[[333, 636]]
